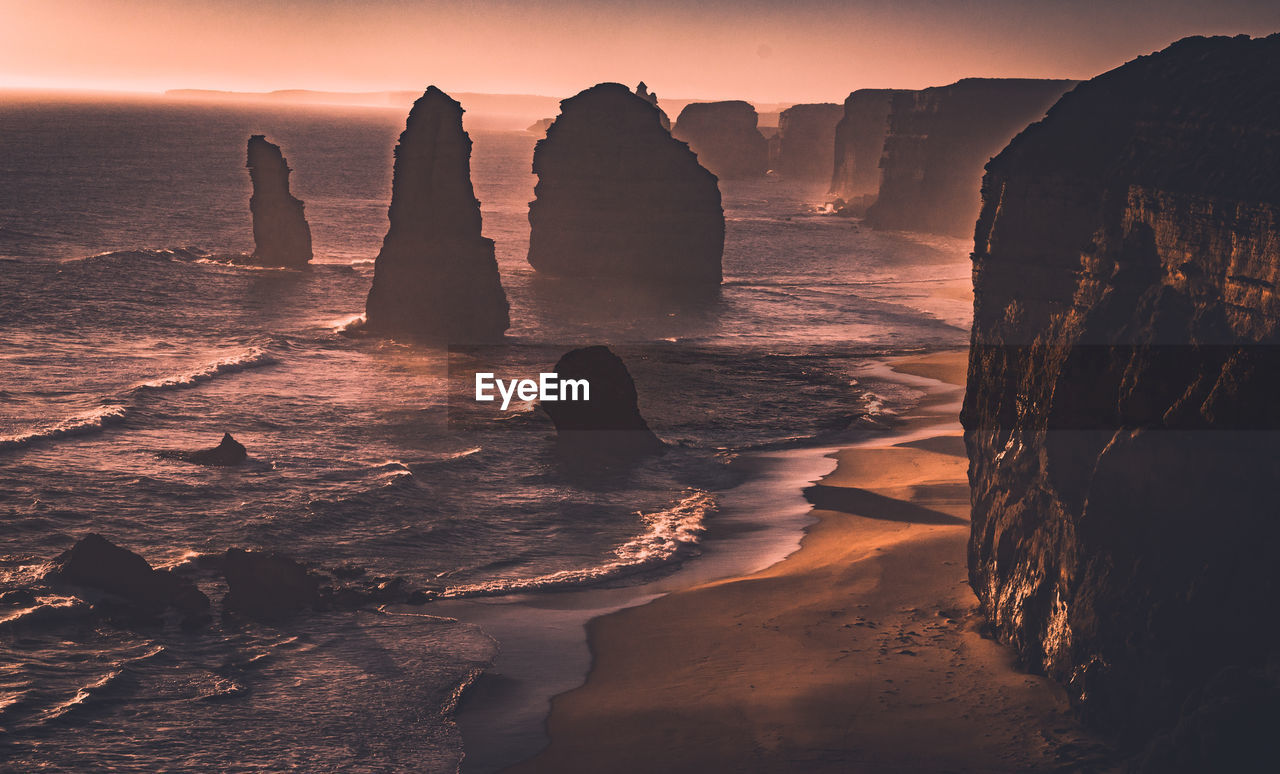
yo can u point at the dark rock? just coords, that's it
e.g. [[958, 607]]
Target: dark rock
[[265, 586], [608, 424], [642, 91], [436, 277], [540, 126], [938, 141], [806, 141], [725, 137], [18, 597], [859, 144], [348, 571], [227, 453], [96, 563], [1121, 416], [617, 196], [280, 232], [421, 596]]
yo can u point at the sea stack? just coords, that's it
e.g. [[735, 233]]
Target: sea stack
[[281, 235], [436, 277], [859, 144], [619, 197], [938, 141], [805, 148], [725, 137], [607, 425], [1121, 417]]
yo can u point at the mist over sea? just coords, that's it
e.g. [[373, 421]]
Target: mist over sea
[[121, 335]]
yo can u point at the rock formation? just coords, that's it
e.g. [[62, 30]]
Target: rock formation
[[938, 142], [1121, 418], [725, 137], [265, 586], [608, 424], [540, 126], [642, 91], [96, 563], [807, 141], [228, 452], [859, 144], [618, 197], [436, 277], [281, 235]]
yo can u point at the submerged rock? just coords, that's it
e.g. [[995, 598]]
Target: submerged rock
[[264, 586], [281, 235], [436, 277], [227, 453], [608, 424], [1121, 415], [806, 140], [618, 197], [725, 137], [96, 563], [859, 144]]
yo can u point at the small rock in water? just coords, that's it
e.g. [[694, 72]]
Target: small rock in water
[[96, 563], [229, 452], [265, 586]]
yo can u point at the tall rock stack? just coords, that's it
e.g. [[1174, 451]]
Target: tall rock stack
[[1121, 418], [618, 197], [859, 144], [281, 235], [725, 137], [939, 139], [436, 277], [806, 141]]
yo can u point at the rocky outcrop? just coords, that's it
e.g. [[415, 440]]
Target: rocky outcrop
[[725, 137], [1121, 416], [642, 91], [859, 144], [436, 277], [266, 586], [227, 453], [938, 142], [806, 141], [606, 424], [96, 563], [618, 197], [281, 235]]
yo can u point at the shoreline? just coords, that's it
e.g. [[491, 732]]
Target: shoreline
[[862, 648]]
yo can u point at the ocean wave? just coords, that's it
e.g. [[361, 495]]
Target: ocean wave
[[159, 256], [82, 424], [667, 535], [251, 358]]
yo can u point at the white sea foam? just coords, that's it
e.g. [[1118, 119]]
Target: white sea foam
[[82, 424], [239, 361]]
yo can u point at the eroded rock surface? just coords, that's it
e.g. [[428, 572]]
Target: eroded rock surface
[[281, 235], [96, 563], [725, 137], [859, 144], [806, 141]]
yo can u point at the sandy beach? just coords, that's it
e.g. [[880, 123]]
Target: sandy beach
[[862, 651]]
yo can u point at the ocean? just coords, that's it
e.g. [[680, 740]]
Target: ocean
[[122, 335]]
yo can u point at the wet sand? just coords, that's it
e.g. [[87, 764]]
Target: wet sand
[[860, 652]]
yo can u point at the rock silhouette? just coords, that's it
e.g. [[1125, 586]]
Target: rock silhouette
[[938, 141], [96, 563], [806, 140], [1121, 415], [725, 137], [642, 91], [436, 277], [859, 144], [609, 424], [281, 235], [227, 453], [618, 197], [265, 586]]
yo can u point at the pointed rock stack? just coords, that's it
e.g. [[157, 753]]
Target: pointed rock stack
[[617, 196], [281, 235], [436, 277]]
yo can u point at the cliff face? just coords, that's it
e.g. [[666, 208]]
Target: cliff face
[[938, 141], [807, 140], [281, 235], [617, 196], [725, 137], [436, 276], [859, 144], [1122, 417]]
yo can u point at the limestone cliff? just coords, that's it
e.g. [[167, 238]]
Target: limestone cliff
[[938, 141], [859, 144], [617, 196], [436, 277], [281, 235], [806, 141], [1121, 418], [725, 137]]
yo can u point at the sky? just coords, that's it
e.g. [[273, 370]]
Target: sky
[[760, 50]]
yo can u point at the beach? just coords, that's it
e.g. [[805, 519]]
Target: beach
[[862, 650]]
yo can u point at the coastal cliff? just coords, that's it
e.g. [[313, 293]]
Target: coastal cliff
[[725, 137], [436, 276], [281, 236], [618, 196], [938, 141], [1121, 417], [805, 148], [859, 144]]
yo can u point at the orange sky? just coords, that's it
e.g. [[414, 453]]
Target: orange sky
[[774, 51]]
